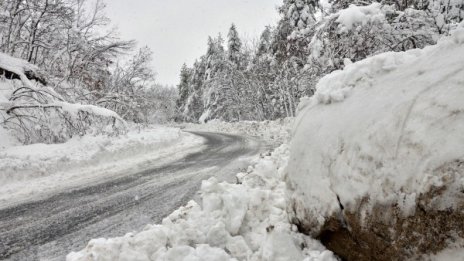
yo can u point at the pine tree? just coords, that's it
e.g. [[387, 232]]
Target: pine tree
[[300, 13], [264, 42], [183, 87], [234, 46], [214, 56], [194, 105]]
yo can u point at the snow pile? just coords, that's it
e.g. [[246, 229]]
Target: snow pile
[[383, 128], [338, 85], [21, 163], [53, 168], [274, 132], [244, 221], [353, 15]]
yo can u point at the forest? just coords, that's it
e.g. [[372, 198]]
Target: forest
[[265, 79], [71, 51]]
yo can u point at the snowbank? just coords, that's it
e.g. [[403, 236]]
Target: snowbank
[[274, 132], [387, 130], [50, 165], [244, 221]]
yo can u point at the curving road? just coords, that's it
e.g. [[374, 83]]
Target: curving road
[[48, 229]]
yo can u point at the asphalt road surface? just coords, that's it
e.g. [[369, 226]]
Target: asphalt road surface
[[50, 228]]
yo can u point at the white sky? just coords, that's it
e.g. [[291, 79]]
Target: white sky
[[177, 30]]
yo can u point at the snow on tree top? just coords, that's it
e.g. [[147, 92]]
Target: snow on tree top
[[358, 15]]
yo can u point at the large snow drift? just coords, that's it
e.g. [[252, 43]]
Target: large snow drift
[[381, 129]]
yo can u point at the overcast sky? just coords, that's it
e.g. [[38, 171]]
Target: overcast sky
[[177, 30]]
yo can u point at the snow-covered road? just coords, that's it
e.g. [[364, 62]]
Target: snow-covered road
[[47, 229]]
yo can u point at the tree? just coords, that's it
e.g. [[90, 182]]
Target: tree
[[125, 91], [68, 39], [290, 58], [234, 50], [184, 86]]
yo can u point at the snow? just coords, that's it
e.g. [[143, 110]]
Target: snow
[[381, 128], [274, 132], [245, 221], [74, 108], [6, 139], [19, 67], [38, 169], [449, 254], [349, 17], [15, 65]]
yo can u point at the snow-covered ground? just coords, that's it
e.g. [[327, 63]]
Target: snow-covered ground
[[245, 221], [39, 169]]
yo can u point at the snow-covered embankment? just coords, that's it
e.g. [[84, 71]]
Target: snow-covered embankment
[[377, 157], [32, 170]]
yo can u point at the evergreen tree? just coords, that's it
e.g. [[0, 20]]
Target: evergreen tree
[[183, 87], [194, 105], [299, 13], [264, 42], [214, 56], [234, 46]]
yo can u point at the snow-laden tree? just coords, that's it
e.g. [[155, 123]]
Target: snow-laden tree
[[446, 13], [294, 29], [72, 42], [160, 107], [68, 39], [299, 13], [234, 46], [34, 112], [125, 91], [193, 108], [306, 44], [183, 87], [378, 29]]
